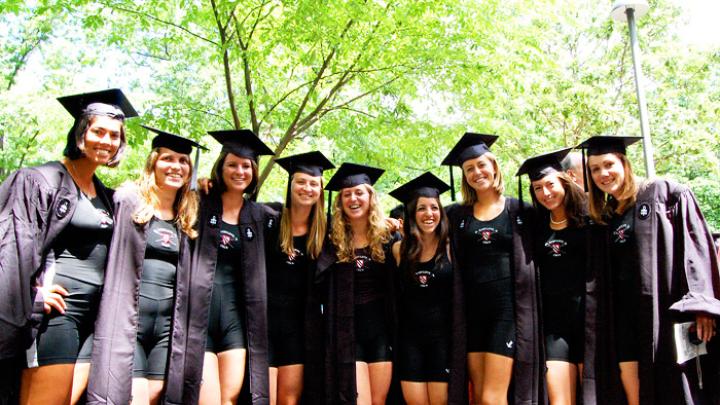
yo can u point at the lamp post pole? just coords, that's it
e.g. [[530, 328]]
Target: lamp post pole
[[629, 10]]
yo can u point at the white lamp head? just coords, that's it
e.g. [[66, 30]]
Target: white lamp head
[[620, 7]]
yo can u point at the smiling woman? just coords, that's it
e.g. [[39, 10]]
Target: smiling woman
[[149, 254], [50, 298]]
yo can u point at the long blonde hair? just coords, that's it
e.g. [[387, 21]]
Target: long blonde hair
[[468, 193], [601, 206], [318, 226], [185, 205], [377, 233]]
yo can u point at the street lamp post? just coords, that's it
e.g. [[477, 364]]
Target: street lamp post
[[629, 9]]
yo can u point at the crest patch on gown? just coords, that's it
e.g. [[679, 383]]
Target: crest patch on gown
[[63, 208], [486, 234], [644, 211], [249, 234]]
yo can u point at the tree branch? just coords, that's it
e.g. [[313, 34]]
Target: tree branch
[[160, 20], [226, 67]]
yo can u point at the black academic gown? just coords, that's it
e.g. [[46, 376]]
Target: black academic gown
[[256, 220], [679, 277], [529, 364], [337, 281], [35, 206], [110, 380]]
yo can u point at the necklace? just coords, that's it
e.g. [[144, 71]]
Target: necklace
[[74, 174], [557, 222]]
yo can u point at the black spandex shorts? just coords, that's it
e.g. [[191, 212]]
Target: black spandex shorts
[[226, 329], [491, 318], [372, 338], [153, 338], [626, 329], [286, 343], [423, 359]]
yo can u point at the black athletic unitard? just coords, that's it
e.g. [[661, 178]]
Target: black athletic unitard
[[562, 261], [287, 289], [372, 333], [157, 300], [77, 263], [626, 284], [489, 289], [226, 326], [424, 319]]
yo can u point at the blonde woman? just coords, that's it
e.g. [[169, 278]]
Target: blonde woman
[[660, 270], [359, 310], [492, 251], [141, 343], [291, 268]]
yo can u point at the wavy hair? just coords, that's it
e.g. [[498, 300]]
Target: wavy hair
[[316, 234], [468, 193], [603, 206], [411, 246], [377, 234], [574, 201], [185, 205]]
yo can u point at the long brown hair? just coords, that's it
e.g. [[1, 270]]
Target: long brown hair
[[377, 233], [411, 247], [185, 205], [601, 205], [574, 201], [318, 226], [468, 193]]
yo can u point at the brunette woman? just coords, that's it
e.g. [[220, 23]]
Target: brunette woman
[[141, 339], [56, 226], [561, 255], [359, 310], [425, 283], [493, 252], [660, 273], [230, 252]]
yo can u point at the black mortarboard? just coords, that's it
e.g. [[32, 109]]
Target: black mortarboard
[[540, 166], [470, 146], [425, 185], [99, 103], [351, 175], [171, 141], [178, 144], [599, 145], [312, 163], [241, 142]]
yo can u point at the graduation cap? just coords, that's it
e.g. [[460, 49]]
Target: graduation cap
[[425, 185], [540, 166], [312, 163], [351, 175], [470, 146], [241, 142], [110, 103], [600, 145], [179, 144]]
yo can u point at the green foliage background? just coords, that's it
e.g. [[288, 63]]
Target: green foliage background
[[385, 83]]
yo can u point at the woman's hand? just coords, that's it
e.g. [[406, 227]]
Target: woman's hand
[[705, 326], [204, 185], [394, 225], [53, 298]]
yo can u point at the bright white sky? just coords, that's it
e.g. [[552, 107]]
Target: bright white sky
[[702, 17]]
